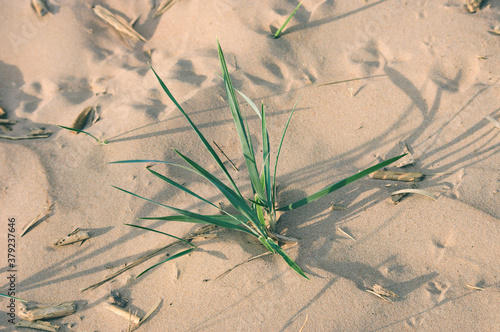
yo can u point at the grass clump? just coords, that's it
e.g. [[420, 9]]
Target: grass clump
[[256, 215]]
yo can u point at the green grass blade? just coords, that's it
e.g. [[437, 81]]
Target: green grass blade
[[278, 33], [200, 135], [12, 297], [266, 244], [250, 102], [287, 258], [84, 132], [182, 253], [338, 185], [235, 220], [279, 148], [266, 154], [239, 122], [156, 231], [195, 216], [238, 202]]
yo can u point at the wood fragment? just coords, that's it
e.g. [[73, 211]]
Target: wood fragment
[[337, 207], [37, 219], [415, 191], [163, 7], [76, 236], [32, 311], [492, 120], [234, 166], [473, 5], [38, 325], [40, 7], [117, 22], [397, 176], [122, 313], [495, 30], [82, 119]]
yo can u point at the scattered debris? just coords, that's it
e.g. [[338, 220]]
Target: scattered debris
[[76, 236], [473, 5], [117, 300], [397, 176], [31, 311], [346, 234], [134, 319], [40, 7], [118, 23], [381, 293], [82, 119], [234, 166], [37, 219], [163, 7], [415, 191], [38, 325], [495, 122], [44, 134]]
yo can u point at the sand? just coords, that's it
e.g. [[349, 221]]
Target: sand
[[433, 78]]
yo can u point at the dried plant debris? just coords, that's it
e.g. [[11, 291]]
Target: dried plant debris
[[32, 134], [40, 7], [82, 119], [117, 300], [346, 233], [76, 236], [492, 120], [473, 5], [232, 164], [397, 176], [336, 207], [495, 30], [38, 325], [163, 7], [31, 311], [117, 22], [407, 160], [415, 191], [37, 219], [476, 287], [381, 293], [123, 313]]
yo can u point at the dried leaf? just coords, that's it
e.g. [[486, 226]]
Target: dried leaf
[[118, 23], [82, 119]]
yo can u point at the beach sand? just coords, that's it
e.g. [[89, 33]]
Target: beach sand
[[429, 77]]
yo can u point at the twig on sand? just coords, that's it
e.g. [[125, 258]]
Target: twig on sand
[[38, 325], [304, 325], [200, 232], [492, 120], [32, 311], [397, 176], [234, 166], [16, 138], [37, 219], [163, 7]]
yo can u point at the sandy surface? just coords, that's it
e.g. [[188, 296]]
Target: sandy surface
[[435, 77]]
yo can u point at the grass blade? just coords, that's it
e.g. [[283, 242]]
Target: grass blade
[[338, 185], [266, 154], [287, 258], [235, 220], [239, 122], [202, 219], [182, 253], [200, 135], [279, 148], [84, 132], [278, 33], [154, 230]]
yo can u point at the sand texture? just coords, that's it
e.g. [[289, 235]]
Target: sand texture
[[428, 78]]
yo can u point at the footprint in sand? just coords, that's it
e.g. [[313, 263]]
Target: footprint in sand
[[437, 290], [439, 246]]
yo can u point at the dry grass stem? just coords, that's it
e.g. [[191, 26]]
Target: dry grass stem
[[415, 191], [151, 311], [346, 234], [352, 79], [476, 288], [304, 325], [163, 7], [118, 23], [232, 164], [37, 219], [397, 176], [123, 313], [17, 138], [492, 120]]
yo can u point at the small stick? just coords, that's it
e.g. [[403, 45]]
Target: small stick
[[378, 295], [234, 166], [150, 312], [415, 191], [76, 236], [118, 23], [163, 7], [14, 138], [346, 234], [40, 7], [397, 176], [38, 325], [37, 219], [352, 79], [476, 288], [32, 311], [495, 122], [304, 325], [7, 122], [123, 313]]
